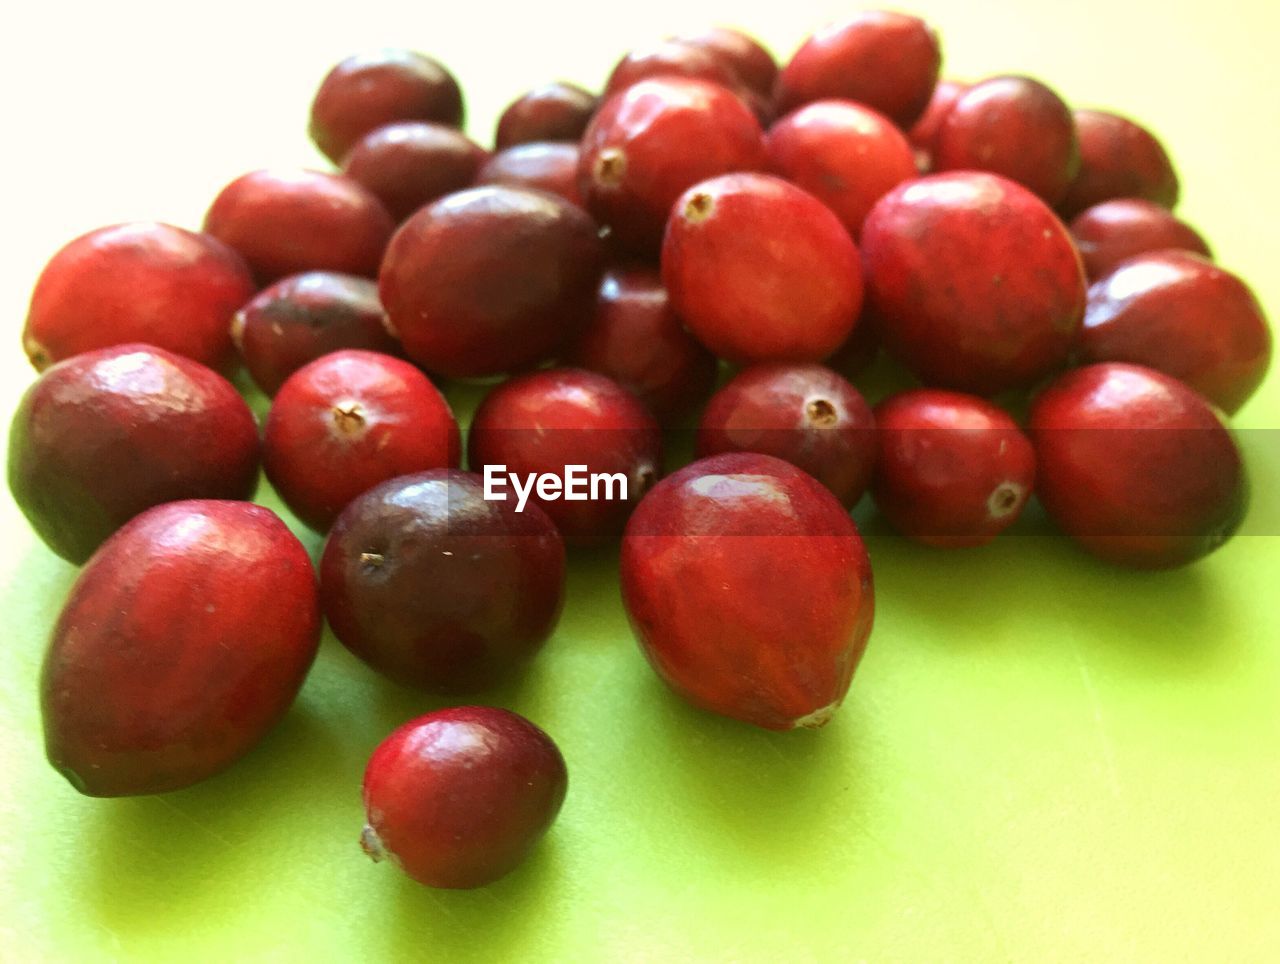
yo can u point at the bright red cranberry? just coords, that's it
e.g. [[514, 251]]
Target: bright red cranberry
[[458, 797], [368, 91], [749, 590], [439, 588], [671, 58], [303, 317], [145, 282], [844, 154], [1180, 314], [636, 339], [104, 435], [285, 222], [184, 640], [803, 414], [348, 421], [887, 61], [552, 112], [750, 61], [547, 167], [952, 470], [1136, 467], [1015, 127], [409, 165], [490, 280], [1118, 158], [761, 270], [976, 284], [1114, 231], [923, 134], [542, 423], [650, 143]]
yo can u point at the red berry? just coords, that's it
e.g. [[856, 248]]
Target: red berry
[[1136, 467], [547, 167], [436, 587], [749, 590], [145, 282], [1113, 231], [750, 61], [348, 421], [804, 414], [923, 134], [1118, 158], [368, 91], [490, 280], [761, 270], [284, 222], [976, 284], [952, 470], [183, 641], [104, 435], [458, 797], [552, 112], [671, 58], [410, 164], [1182, 315]]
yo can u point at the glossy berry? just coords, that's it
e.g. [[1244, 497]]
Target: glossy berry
[[749, 590], [348, 421], [436, 587], [552, 112], [144, 281], [1114, 231], [104, 435], [184, 640], [458, 797], [760, 270], [952, 469], [750, 61], [1136, 467], [1118, 158], [670, 58], [410, 164], [923, 134], [546, 167]]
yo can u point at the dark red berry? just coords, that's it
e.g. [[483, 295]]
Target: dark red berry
[[1114, 231], [410, 164], [1118, 158], [750, 61], [552, 112], [547, 167], [923, 134], [671, 58], [860, 349]]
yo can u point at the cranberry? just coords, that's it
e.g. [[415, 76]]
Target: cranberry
[[671, 58], [104, 435], [750, 61], [548, 167], [368, 91], [1113, 231], [976, 283], [749, 589], [490, 280], [1012, 126], [952, 470], [348, 421], [804, 414], [409, 165], [923, 134], [636, 339], [1136, 467], [436, 587], [286, 222], [1180, 314], [650, 143], [305, 316], [844, 154], [137, 282], [183, 641], [552, 112], [761, 270], [1118, 158], [458, 797], [887, 61]]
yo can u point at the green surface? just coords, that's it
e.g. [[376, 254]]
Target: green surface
[[1041, 758]]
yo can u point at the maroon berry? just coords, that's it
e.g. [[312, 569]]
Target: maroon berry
[[976, 284], [368, 91], [286, 222], [490, 280], [671, 58], [1114, 231], [458, 797], [923, 134], [409, 165], [750, 61], [140, 282], [184, 640], [552, 112], [437, 587], [1118, 158], [1136, 467], [547, 167], [104, 435], [749, 590], [761, 270], [1180, 314], [349, 421], [952, 470], [303, 317]]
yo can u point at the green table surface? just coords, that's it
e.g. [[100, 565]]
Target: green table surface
[[1041, 758]]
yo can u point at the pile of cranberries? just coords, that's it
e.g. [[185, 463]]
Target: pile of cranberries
[[710, 218]]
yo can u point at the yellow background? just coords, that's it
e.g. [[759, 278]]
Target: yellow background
[[1041, 758]]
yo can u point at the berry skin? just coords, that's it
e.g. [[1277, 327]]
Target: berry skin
[[552, 112], [1115, 231], [410, 164], [551, 166], [1118, 158]]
